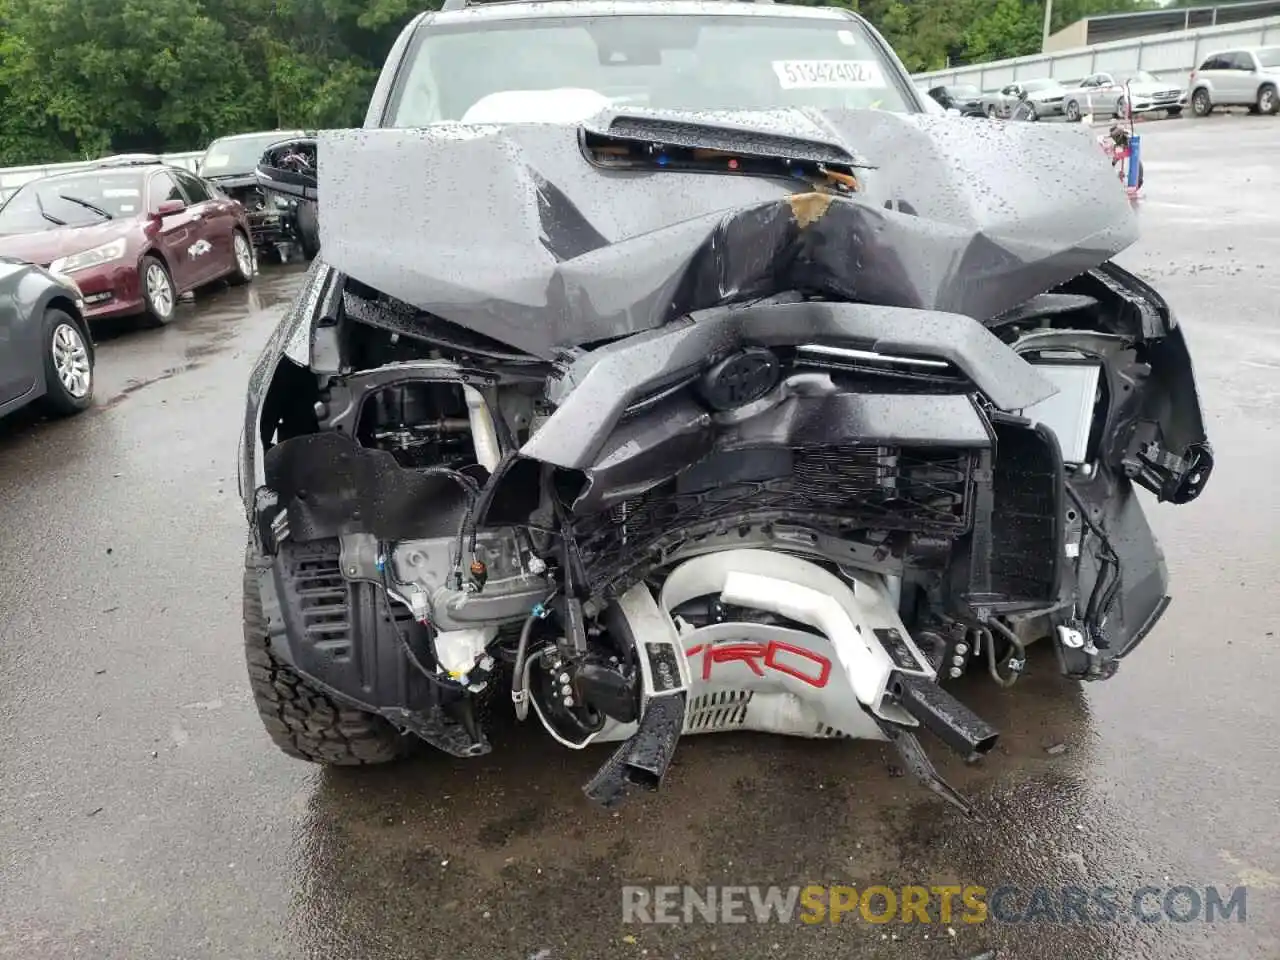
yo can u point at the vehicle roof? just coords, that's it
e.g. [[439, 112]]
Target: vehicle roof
[[533, 9], [133, 169], [282, 134]]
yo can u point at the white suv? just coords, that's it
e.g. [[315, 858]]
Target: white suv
[[1237, 78]]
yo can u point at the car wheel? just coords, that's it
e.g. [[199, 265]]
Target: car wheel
[[158, 291], [1201, 105], [1119, 111], [301, 719], [308, 229], [991, 112], [1073, 111], [1268, 103], [245, 265], [68, 365]]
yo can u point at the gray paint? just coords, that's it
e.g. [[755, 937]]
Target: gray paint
[[26, 291]]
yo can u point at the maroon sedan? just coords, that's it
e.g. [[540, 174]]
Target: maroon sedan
[[133, 237]]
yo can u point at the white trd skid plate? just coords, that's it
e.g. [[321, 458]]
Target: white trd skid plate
[[772, 679]]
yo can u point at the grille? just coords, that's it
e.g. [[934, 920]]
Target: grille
[[838, 488], [1026, 525]]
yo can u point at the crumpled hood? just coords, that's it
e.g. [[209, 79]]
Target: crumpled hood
[[46, 246], [510, 231]]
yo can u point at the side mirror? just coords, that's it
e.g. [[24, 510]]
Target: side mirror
[[168, 208]]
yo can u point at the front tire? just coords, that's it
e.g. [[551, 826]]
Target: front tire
[[1201, 105], [302, 721], [68, 366], [158, 292], [245, 264], [1073, 111], [308, 229]]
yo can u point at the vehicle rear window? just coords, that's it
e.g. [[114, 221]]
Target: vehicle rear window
[[41, 204], [569, 68], [1268, 58]]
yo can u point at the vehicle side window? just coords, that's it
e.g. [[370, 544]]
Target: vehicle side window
[[1212, 63], [1244, 61], [194, 187], [1233, 61], [164, 187]]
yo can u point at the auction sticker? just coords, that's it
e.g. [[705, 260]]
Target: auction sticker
[[801, 74]]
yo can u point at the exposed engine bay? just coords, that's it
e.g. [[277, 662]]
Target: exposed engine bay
[[711, 472]]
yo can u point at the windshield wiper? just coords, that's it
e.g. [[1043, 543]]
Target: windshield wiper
[[46, 214], [87, 205]]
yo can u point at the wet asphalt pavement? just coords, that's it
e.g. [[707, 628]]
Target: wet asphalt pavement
[[144, 813]]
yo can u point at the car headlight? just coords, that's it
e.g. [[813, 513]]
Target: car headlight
[[90, 258]]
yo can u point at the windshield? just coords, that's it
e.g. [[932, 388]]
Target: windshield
[[239, 155], [1138, 76], [1270, 57], [1031, 86], [504, 72], [61, 201]]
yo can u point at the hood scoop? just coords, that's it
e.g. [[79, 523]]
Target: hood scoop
[[655, 143]]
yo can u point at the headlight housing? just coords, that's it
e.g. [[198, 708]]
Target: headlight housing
[[90, 258]]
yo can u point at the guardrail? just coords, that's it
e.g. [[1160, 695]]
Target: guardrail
[[11, 178], [1172, 56]]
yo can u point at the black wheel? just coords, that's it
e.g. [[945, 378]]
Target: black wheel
[[1201, 105], [302, 721], [1268, 103], [1119, 111], [157, 291], [68, 365], [308, 228], [1073, 111], [245, 263], [991, 111]]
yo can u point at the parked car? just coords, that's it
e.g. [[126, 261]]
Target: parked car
[[274, 219], [1045, 96], [46, 350], [1237, 78], [1107, 93], [134, 235], [963, 97]]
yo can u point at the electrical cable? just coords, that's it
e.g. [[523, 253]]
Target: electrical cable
[[1019, 651]]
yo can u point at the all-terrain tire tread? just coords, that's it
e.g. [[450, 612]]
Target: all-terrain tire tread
[[302, 721]]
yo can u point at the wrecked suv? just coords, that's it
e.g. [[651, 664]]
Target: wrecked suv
[[668, 370]]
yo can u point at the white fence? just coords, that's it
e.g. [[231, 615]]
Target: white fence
[[11, 178], [1172, 56]]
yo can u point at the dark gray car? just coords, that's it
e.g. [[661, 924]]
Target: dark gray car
[[46, 350], [668, 368]]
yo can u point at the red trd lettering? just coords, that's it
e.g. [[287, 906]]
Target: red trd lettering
[[757, 656]]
